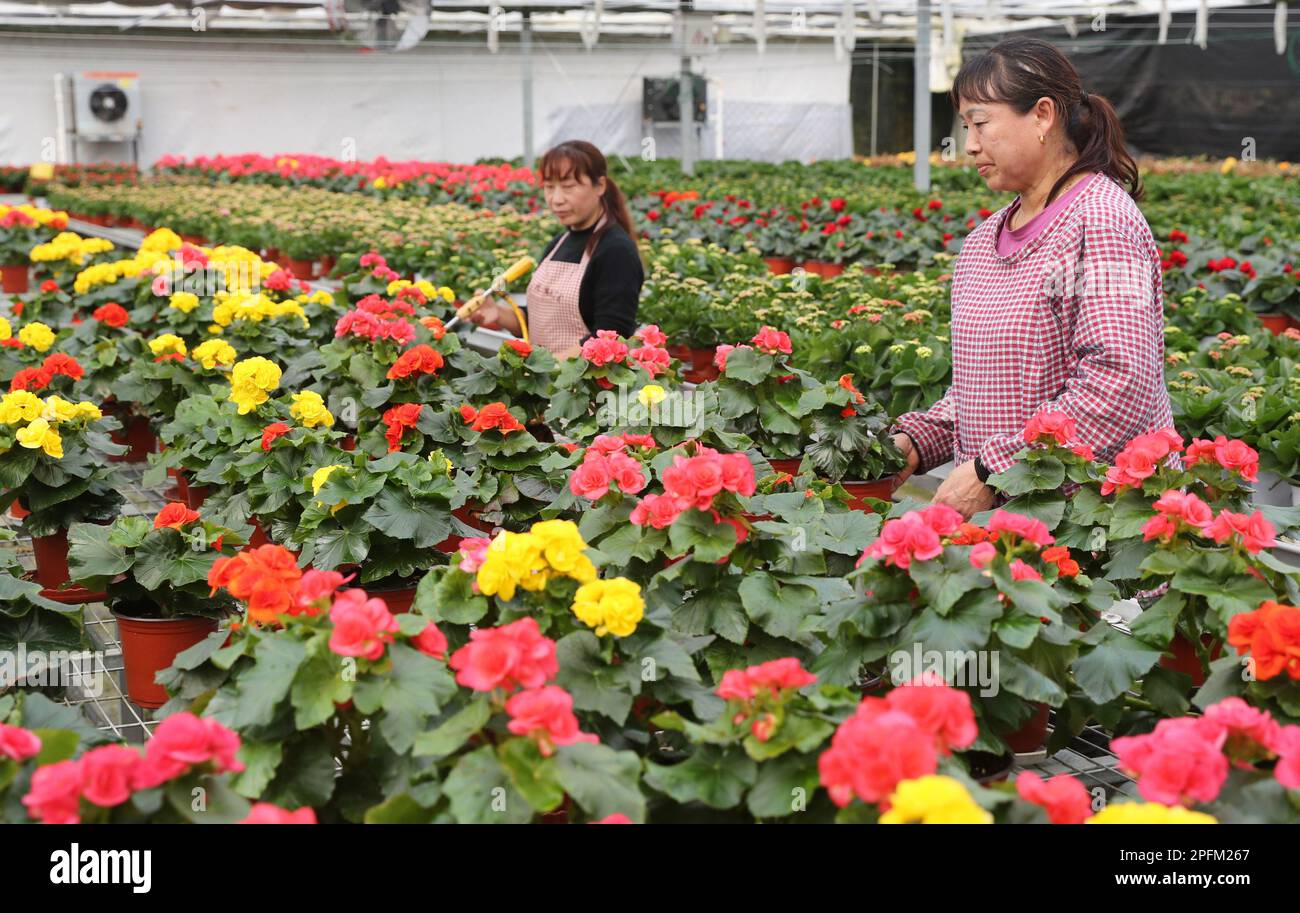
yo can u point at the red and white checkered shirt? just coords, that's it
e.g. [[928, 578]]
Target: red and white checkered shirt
[[1072, 322]]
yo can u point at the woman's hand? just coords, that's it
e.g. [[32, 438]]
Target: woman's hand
[[486, 314], [964, 492], [904, 443]]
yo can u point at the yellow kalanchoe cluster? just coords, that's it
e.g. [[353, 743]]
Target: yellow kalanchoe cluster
[[251, 383], [933, 800], [37, 335], [214, 352], [610, 606], [252, 307], [167, 344], [309, 409], [530, 560]]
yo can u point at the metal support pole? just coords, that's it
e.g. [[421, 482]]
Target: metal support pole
[[526, 58], [875, 92], [921, 98], [686, 96]]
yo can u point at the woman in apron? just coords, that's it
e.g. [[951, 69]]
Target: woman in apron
[[589, 276]]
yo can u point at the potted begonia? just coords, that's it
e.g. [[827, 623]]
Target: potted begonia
[[154, 574], [54, 460]]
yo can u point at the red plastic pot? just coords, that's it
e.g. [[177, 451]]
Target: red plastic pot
[[1031, 736], [702, 368], [860, 491], [195, 495], [150, 645], [470, 515], [1276, 324], [14, 280], [327, 264], [136, 435], [51, 559], [271, 255], [259, 537], [301, 269], [823, 268], [349, 443], [1186, 661], [398, 599], [779, 266]]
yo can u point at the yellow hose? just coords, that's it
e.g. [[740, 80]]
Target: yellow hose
[[519, 315]]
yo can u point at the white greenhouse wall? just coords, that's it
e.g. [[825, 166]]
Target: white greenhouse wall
[[450, 102]]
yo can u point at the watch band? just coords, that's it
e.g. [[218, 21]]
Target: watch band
[[981, 471]]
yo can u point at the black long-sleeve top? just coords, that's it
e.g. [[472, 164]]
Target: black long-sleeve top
[[611, 285]]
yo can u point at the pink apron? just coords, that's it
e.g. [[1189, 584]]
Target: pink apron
[[553, 317]]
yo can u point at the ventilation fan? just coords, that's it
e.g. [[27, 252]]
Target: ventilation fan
[[108, 106]]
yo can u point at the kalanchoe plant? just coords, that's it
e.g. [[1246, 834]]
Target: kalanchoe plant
[[153, 569], [54, 461]]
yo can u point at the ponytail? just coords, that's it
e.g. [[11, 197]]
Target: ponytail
[[1018, 72], [1095, 130]]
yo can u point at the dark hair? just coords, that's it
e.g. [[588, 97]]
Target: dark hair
[[583, 160], [1019, 71]]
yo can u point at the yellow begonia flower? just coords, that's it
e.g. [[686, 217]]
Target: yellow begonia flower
[[88, 411], [20, 406], [39, 435], [167, 344], [37, 335], [563, 549], [651, 394], [610, 606], [184, 301], [933, 800], [1149, 813], [321, 476], [58, 409], [6, 331], [309, 409], [214, 352], [251, 381]]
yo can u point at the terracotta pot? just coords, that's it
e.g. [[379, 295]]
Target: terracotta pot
[[1276, 324], [779, 266], [301, 269], [860, 491], [136, 435], [1186, 661], [51, 559], [14, 279], [150, 645], [1032, 735]]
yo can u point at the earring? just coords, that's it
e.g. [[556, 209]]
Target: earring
[[1042, 139]]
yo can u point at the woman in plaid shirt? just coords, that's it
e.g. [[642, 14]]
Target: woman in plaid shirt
[[1057, 303]]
